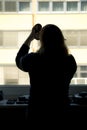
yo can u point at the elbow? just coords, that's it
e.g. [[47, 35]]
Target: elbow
[[17, 62]]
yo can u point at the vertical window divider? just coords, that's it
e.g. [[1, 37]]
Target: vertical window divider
[[17, 4], [50, 6], [3, 6], [65, 6], [79, 6]]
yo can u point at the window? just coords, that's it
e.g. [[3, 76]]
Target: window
[[71, 37], [0, 6], [75, 37], [11, 75], [57, 6], [83, 71], [43, 6], [83, 5], [1, 38], [9, 39], [12, 38], [83, 37], [22, 36], [10, 6], [24, 6], [81, 75], [72, 6]]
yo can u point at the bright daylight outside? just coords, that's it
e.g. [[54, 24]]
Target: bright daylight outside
[[16, 20]]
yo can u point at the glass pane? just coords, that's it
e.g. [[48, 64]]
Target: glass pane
[[43, 6], [83, 74], [24, 6], [11, 75], [1, 38], [75, 75], [10, 39], [10, 6], [22, 35], [83, 68], [23, 78], [71, 37], [0, 6], [75, 37], [1, 75], [72, 6], [11, 82], [84, 6], [57, 6], [83, 37]]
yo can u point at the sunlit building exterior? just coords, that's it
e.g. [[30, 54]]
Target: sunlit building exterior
[[16, 20]]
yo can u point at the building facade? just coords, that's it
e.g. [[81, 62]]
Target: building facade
[[16, 20]]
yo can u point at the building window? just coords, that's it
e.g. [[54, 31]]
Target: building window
[[22, 35], [10, 6], [81, 71], [11, 75], [24, 6], [43, 6], [57, 6], [75, 37], [10, 39], [83, 37], [72, 6], [0, 6], [71, 37], [1, 38], [83, 5], [80, 76]]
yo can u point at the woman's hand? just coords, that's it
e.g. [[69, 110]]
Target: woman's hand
[[35, 34], [36, 31]]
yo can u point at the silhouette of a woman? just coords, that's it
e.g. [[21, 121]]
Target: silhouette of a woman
[[51, 69]]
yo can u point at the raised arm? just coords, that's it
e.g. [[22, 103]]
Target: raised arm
[[24, 49]]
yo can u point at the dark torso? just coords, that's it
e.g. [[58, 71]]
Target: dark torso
[[50, 76]]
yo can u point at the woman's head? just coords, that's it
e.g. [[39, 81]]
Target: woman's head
[[51, 37], [50, 34]]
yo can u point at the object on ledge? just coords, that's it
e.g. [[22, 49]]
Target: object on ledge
[[80, 98], [11, 101], [23, 99], [20, 100]]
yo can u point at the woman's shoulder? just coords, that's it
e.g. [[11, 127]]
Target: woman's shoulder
[[71, 60], [71, 57]]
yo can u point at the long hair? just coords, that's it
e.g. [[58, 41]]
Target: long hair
[[52, 40]]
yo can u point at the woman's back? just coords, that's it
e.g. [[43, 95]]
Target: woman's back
[[50, 78], [50, 70]]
